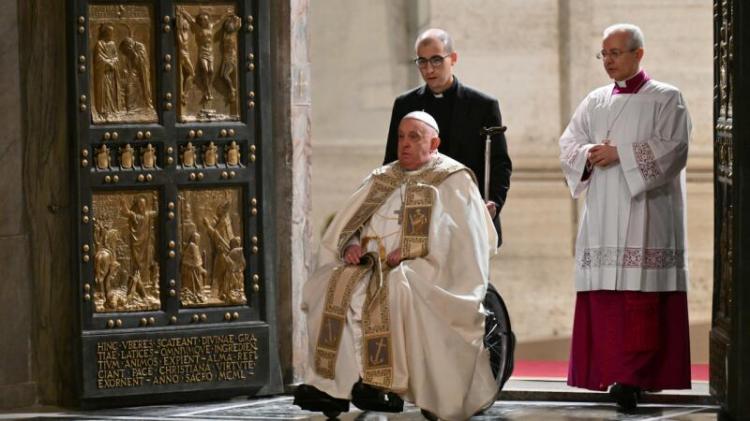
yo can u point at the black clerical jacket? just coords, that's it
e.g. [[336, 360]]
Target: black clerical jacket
[[471, 111]]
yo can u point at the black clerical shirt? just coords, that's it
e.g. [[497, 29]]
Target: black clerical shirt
[[440, 107]]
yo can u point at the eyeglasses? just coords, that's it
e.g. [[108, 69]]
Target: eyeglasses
[[614, 54], [435, 61]]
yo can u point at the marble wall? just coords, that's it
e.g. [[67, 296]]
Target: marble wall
[[17, 387], [47, 196], [301, 253]]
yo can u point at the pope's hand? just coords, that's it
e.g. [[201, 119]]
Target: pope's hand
[[394, 257], [603, 155], [491, 208], [353, 253]]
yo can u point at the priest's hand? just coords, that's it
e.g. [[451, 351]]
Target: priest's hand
[[394, 257], [491, 208], [603, 155], [353, 253]]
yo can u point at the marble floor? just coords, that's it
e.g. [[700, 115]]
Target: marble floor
[[281, 408]]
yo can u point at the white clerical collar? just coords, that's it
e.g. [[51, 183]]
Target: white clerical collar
[[449, 91], [624, 83]]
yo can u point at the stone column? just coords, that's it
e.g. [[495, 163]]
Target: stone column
[[574, 30], [292, 143], [17, 387], [301, 192]]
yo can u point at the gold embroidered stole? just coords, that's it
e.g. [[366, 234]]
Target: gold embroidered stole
[[377, 352], [419, 198], [338, 297]]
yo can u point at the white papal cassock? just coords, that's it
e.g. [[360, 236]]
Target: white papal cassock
[[632, 232], [434, 301]]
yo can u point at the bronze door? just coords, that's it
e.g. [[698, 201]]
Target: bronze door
[[729, 379], [171, 133]]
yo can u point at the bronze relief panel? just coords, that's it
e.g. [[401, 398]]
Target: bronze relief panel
[[126, 266], [212, 263], [207, 50], [170, 210], [122, 75]]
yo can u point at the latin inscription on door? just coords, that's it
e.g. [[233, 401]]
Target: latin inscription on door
[[134, 364]]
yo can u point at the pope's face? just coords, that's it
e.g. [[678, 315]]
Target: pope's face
[[620, 61], [440, 77], [416, 143]]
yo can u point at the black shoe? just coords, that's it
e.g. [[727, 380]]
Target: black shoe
[[311, 398], [368, 398], [429, 415], [626, 396]]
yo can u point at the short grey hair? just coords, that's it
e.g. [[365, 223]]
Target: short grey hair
[[637, 40], [435, 34]]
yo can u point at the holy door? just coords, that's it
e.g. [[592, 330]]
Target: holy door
[[730, 327], [170, 127]]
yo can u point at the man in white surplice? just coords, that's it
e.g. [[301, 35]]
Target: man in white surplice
[[626, 147], [394, 309]]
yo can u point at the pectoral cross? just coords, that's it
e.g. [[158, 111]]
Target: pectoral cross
[[400, 214]]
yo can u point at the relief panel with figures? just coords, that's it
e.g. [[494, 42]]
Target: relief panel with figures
[[212, 260], [207, 62], [126, 268], [121, 52]]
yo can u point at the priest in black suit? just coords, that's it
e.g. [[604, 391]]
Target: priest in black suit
[[461, 112]]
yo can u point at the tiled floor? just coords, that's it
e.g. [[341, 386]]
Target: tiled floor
[[281, 408]]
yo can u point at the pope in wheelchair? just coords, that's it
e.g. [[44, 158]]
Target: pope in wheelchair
[[399, 308]]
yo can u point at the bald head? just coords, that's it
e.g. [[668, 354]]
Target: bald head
[[635, 35], [435, 35]]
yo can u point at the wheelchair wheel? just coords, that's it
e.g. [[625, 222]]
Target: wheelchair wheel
[[498, 336]]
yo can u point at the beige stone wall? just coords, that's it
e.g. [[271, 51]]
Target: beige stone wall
[[360, 64], [509, 49], [537, 58], [514, 50]]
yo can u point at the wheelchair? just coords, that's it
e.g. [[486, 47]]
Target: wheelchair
[[498, 339]]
